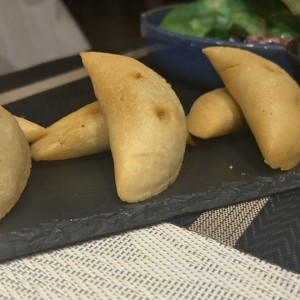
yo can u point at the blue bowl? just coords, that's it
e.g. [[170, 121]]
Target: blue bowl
[[293, 52], [181, 55]]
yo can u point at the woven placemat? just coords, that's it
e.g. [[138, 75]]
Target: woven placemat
[[274, 234], [160, 262], [228, 224]]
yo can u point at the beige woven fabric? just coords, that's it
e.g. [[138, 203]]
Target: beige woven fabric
[[160, 262], [228, 224]]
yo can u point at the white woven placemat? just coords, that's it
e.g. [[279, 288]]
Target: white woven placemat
[[160, 262]]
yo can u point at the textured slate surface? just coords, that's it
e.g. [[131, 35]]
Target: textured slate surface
[[70, 201], [274, 235]]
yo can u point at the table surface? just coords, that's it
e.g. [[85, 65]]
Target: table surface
[[262, 235]]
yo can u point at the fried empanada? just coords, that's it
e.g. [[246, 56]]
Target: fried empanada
[[214, 114], [269, 99], [15, 162], [31, 130], [145, 120], [83, 132]]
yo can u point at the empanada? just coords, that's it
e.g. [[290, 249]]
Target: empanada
[[15, 161], [214, 114], [145, 120], [31, 130], [269, 99], [80, 133]]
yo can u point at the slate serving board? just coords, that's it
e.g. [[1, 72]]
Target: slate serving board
[[66, 202]]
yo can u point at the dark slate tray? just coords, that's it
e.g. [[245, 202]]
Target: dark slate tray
[[70, 201]]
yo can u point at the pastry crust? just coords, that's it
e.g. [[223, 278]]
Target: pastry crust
[[32, 131]]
